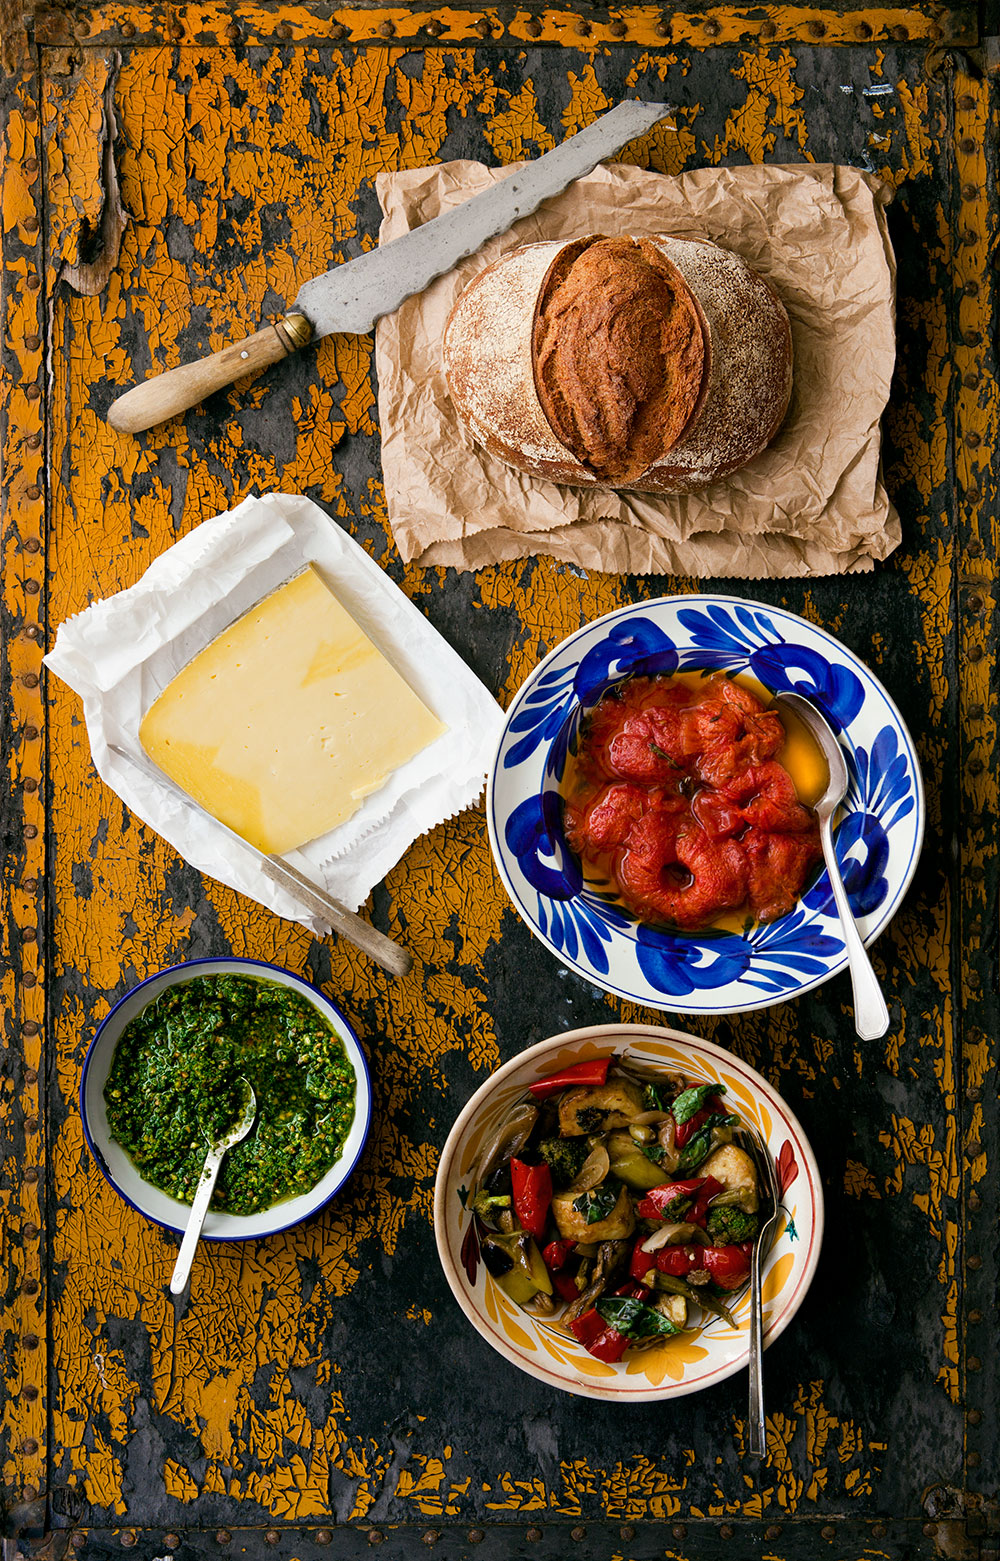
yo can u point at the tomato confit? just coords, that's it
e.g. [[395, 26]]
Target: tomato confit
[[177, 1081], [677, 797], [615, 1201]]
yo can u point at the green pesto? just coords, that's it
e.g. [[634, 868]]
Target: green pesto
[[176, 1082]]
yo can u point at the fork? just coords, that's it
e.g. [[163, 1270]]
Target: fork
[[751, 1141]]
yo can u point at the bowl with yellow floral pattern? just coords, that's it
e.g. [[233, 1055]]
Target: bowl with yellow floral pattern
[[708, 1349]]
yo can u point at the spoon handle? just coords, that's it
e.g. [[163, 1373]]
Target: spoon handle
[[871, 1016], [196, 1219]]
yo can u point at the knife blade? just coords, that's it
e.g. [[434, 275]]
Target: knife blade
[[351, 297], [391, 956]]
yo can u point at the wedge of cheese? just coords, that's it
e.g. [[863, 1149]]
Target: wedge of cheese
[[285, 723]]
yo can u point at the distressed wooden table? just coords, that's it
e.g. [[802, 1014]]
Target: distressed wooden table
[[169, 171]]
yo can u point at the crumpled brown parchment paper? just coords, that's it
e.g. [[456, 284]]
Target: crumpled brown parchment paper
[[812, 503]]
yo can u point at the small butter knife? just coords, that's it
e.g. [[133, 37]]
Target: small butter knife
[[391, 956]]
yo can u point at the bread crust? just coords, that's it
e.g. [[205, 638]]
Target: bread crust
[[490, 365]]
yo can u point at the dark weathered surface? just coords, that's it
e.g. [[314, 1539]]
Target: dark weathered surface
[[327, 1375]]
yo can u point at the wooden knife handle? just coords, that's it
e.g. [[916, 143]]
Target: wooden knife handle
[[165, 395]]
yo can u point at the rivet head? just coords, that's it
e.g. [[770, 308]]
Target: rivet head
[[33, 491], [974, 653], [232, 33], [973, 1363], [30, 1029], [32, 587], [966, 102], [387, 29], [222, 1536], [663, 29], [128, 29], [578, 1533], [31, 1286], [78, 1540], [30, 1231], [33, 283], [712, 28], [899, 34], [482, 28], [971, 338], [31, 831], [773, 1531], [534, 1535], [679, 1531], [284, 30], [128, 1537], [975, 1201], [618, 29], [816, 29], [929, 1529], [30, 165], [726, 1531], [32, 545], [29, 1447], [31, 393], [30, 679], [324, 1536], [533, 27], [430, 1536], [583, 28], [768, 30], [864, 30], [30, 224], [974, 1262], [974, 1416], [975, 1316], [271, 1537], [33, 442], [974, 1460], [879, 1531], [32, 343], [627, 1531], [374, 1537], [475, 1536], [29, 1392], [29, 1341]]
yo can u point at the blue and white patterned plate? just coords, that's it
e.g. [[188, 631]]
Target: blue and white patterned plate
[[878, 835]]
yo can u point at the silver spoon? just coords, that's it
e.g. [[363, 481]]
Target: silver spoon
[[871, 1016], [206, 1187]]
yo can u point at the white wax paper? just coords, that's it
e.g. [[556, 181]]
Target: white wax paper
[[120, 654]]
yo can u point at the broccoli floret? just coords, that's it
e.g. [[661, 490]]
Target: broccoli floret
[[486, 1203], [590, 1119], [729, 1223], [564, 1157]]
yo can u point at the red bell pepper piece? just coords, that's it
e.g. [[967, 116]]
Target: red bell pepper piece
[[593, 1072], [565, 1286], [728, 1266], [677, 1261], [531, 1186], [685, 1130], [555, 1254], [588, 1327], [658, 1199], [642, 1261], [698, 1212], [609, 1345]]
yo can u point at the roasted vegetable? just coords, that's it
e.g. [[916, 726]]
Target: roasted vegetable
[[685, 1289], [630, 1162], [734, 1168], [532, 1187], [564, 1157], [712, 1130], [486, 1203], [594, 1071], [728, 1223], [634, 1318], [575, 1224], [728, 1266], [516, 1264], [601, 1109]]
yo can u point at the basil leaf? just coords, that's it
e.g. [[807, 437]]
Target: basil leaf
[[654, 1152], [691, 1100], [651, 1099], [634, 1318], [697, 1147], [599, 1203]]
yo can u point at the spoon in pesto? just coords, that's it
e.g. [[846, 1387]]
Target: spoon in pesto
[[206, 1187]]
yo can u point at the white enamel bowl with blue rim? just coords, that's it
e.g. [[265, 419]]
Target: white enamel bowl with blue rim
[[878, 834], [158, 1206], [708, 1350]]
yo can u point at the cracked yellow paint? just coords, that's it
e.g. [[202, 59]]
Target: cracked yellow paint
[[192, 149]]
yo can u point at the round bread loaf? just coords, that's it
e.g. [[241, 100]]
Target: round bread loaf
[[656, 363]]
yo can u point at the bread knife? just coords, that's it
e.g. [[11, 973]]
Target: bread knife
[[391, 956], [351, 297]]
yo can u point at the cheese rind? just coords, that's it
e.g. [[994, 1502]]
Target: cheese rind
[[285, 723]]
